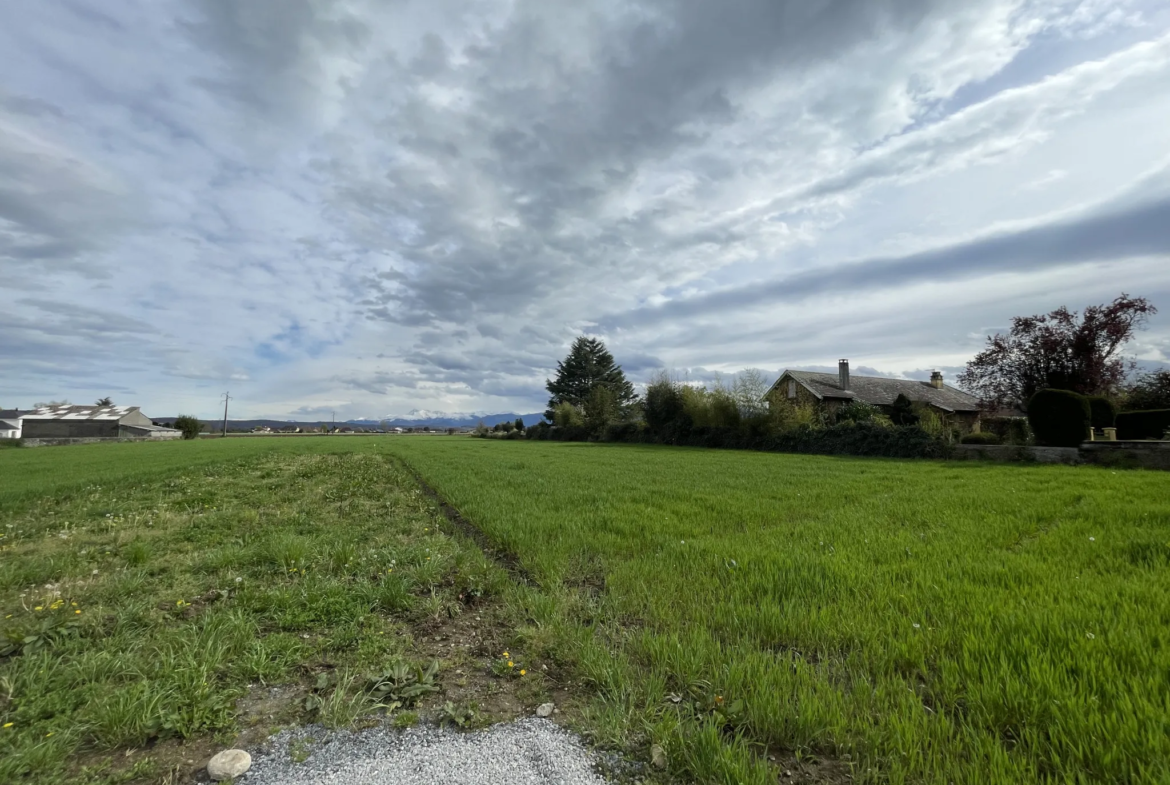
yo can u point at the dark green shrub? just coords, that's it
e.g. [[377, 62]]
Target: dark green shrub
[[10, 443], [981, 438], [1010, 430], [1059, 418], [1102, 411], [190, 426], [856, 411], [1143, 425], [902, 412], [519, 424], [665, 410]]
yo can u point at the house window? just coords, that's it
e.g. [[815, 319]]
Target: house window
[[791, 388]]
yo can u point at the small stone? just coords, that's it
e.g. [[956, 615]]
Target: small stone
[[657, 756], [545, 710], [228, 764]]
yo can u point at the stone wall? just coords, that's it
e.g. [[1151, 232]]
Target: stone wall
[[1011, 452], [99, 440], [1128, 455]]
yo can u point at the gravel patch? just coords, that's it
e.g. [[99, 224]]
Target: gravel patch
[[530, 751]]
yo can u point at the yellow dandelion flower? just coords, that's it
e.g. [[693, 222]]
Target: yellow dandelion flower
[[511, 664], [523, 672], [77, 611], [506, 654], [38, 608], [8, 725]]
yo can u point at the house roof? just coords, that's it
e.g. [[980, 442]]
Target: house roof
[[80, 413], [881, 391], [12, 414]]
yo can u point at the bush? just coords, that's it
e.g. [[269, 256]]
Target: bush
[[190, 426], [902, 412], [856, 411], [1010, 430], [1059, 418], [566, 415], [10, 443], [981, 438], [1102, 411], [1143, 425]]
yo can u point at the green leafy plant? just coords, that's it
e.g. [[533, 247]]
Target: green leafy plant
[[45, 631], [460, 715], [402, 685]]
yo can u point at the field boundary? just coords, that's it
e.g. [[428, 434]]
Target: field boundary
[[506, 560]]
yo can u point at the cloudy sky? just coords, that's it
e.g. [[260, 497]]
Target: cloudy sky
[[373, 206]]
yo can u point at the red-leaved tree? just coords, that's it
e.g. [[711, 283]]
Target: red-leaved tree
[[1057, 350]]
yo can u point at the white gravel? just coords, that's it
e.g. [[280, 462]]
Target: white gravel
[[531, 751]]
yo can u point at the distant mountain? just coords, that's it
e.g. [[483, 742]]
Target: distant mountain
[[419, 417], [415, 419]]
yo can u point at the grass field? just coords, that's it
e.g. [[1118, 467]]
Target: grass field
[[893, 621], [926, 622]]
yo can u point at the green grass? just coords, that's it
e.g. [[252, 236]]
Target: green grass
[[910, 622], [923, 621], [141, 602]]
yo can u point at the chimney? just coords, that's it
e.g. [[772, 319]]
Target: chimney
[[936, 380], [843, 373]]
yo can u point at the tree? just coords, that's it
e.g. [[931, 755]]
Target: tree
[[107, 401], [190, 426], [1149, 391], [43, 404], [600, 409], [749, 389], [1059, 351], [588, 364], [902, 412], [519, 424]]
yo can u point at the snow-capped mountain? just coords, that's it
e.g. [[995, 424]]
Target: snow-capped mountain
[[417, 417]]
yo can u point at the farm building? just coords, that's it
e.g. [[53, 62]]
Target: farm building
[[831, 391], [10, 423], [90, 422]]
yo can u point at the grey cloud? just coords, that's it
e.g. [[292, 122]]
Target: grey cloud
[[1138, 230]]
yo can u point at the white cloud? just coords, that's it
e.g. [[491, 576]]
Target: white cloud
[[382, 207]]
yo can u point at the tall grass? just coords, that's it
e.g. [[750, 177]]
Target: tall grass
[[926, 622]]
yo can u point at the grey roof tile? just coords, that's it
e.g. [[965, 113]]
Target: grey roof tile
[[881, 391]]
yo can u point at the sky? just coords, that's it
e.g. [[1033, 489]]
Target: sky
[[370, 207]]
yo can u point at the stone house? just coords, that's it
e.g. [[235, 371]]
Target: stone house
[[828, 392]]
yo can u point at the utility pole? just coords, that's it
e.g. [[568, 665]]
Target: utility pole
[[226, 398]]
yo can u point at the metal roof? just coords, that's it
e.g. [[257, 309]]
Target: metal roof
[[79, 413], [881, 391]]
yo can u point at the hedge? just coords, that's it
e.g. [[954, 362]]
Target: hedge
[[863, 439], [1102, 411], [1150, 424], [1059, 418], [981, 438]]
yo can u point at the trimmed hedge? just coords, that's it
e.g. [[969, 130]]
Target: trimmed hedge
[[1059, 418], [1102, 411], [1150, 424], [981, 438], [1010, 430]]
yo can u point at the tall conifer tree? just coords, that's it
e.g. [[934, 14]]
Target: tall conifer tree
[[588, 365]]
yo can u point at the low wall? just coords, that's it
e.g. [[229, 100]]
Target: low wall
[[98, 440], [1125, 454], [1012, 452], [1128, 454]]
